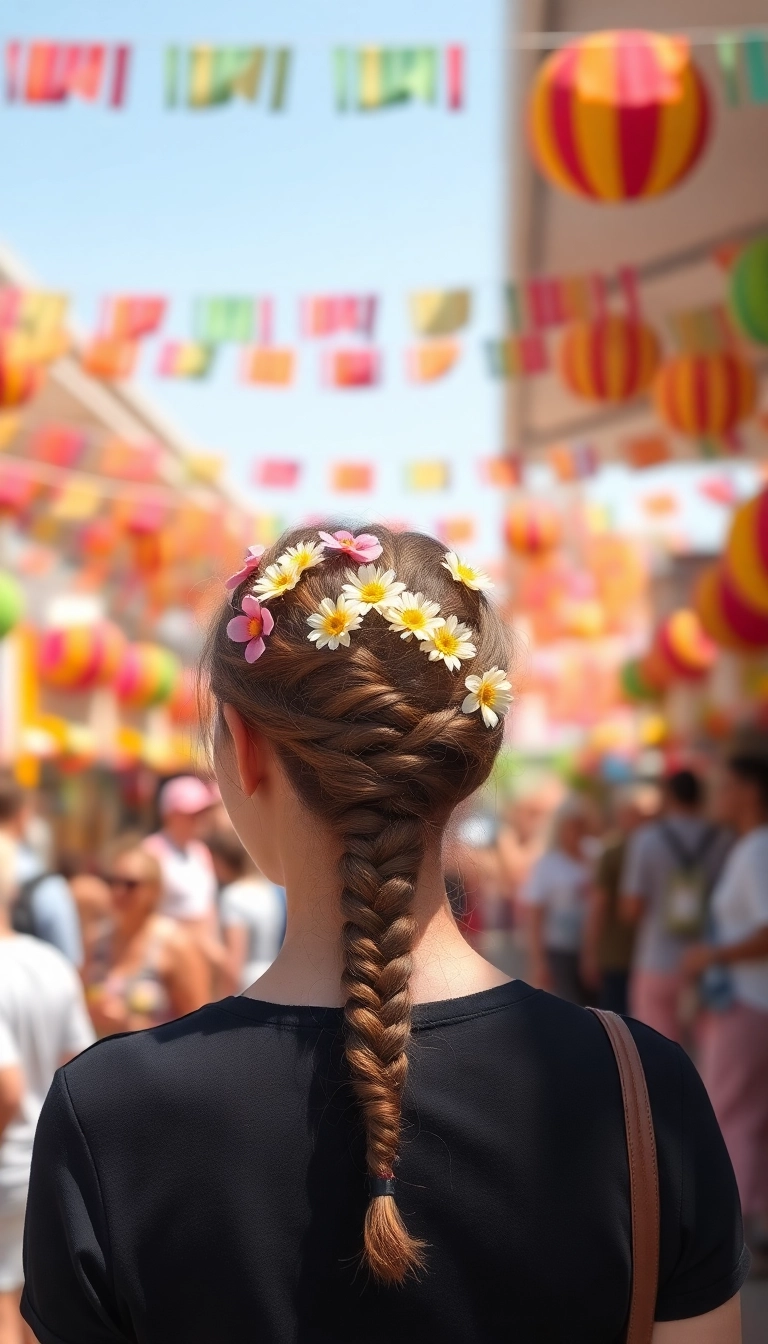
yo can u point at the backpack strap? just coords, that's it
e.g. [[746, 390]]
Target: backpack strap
[[685, 857], [643, 1177]]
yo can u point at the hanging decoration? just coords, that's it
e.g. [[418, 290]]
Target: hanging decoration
[[426, 476], [440, 312], [54, 72], [730, 621], [433, 360], [219, 320], [552, 300], [352, 476], [148, 676], [573, 461], [129, 317], [274, 473], [80, 658], [682, 646], [743, 61], [704, 395], [517, 356], [702, 331], [746, 554], [268, 366], [353, 368], [11, 604], [504, 473], [649, 450], [337, 314], [369, 78], [618, 116], [533, 528], [19, 381], [204, 76], [457, 531], [185, 359], [110, 360], [612, 359], [748, 291], [17, 490]]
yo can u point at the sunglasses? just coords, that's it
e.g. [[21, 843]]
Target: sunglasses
[[128, 883]]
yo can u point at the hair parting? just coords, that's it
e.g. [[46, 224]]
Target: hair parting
[[373, 739]]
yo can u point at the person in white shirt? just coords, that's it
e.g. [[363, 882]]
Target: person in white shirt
[[556, 897], [251, 910], [189, 880], [43, 1023], [734, 1056]]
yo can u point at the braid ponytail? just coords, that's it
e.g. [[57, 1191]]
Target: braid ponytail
[[379, 870], [373, 740]]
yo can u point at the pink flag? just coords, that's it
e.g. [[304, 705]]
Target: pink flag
[[276, 474], [454, 77]]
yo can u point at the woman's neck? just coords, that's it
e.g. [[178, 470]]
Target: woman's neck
[[309, 966]]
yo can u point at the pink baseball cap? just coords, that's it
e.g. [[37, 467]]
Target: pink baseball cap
[[186, 794]]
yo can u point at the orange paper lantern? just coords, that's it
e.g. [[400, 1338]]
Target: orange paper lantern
[[705, 395], [682, 645], [746, 552], [618, 116], [725, 617], [611, 359], [19, 380], [80, 658]]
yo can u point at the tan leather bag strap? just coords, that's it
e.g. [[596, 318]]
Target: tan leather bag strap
[[643, 1178]]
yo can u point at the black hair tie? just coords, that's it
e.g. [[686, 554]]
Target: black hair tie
[[381, 1185]]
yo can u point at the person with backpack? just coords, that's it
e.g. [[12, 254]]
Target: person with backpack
[[44, 906], [671, 867], [384, 1138]]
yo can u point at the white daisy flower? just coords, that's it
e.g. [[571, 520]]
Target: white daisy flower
[[332, 622], [411, 614], [372, 587], [491, 694], [304, 556], [461, 572], [451, 641], [276, 580]]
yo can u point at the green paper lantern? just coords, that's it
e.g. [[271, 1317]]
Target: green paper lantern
[[11, 604], [634, 683], [749, 291]]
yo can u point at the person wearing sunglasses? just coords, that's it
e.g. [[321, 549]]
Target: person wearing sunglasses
[[148, 970]]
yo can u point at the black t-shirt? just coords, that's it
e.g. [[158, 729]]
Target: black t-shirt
[[204, 1182]]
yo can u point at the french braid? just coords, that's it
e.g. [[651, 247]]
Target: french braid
[[373, 739]]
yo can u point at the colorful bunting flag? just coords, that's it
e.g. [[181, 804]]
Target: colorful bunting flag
[[661, 505], [128, 317], [743, 61], [368, 77], [205, 76], [52, 72], [268, 366], [650, 450], [207, 468], [573, 461], [517, 356], [185, 359], [719, 490], [352, 476], [58, 445], [551, 301], [218, 320], [333, 314], [503, 472], [76, 502], [702, 330], [423, 476], [429, 362], [110, 360], [130, 461], [458, 531], [455, 63], [266, 528], [9, 428], [34, 312], [440, 312], [277, 474], [351, 368]]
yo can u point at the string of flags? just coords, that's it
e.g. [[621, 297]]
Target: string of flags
[[54, 72], [743, 61], [369, 78], [205, 76]]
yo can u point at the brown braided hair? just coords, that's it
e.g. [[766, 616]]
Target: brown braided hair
[[374, 741]]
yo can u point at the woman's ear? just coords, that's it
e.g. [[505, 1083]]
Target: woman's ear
[[247, 754]]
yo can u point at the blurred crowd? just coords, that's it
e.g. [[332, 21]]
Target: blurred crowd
[[649, 898]]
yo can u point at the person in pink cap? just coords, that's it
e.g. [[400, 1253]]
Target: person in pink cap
[[189, 880]]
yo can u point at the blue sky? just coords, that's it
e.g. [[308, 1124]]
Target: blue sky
[[236, 200]]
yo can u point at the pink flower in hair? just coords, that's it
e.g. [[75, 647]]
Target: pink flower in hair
[[252, 558], [251, 627], [362, 549]]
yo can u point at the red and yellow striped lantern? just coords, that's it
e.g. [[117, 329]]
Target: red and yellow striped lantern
[[611, 359], [730, 621], [705, 395], [148, 676], [533, 528], [746, 554], [618, 116], [80, 658], [682, 645], [19, 380]]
